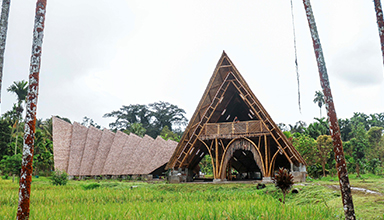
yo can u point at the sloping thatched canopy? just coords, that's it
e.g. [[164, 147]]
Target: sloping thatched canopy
[[230, 123]]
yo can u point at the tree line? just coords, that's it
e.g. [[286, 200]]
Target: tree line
[[158, 118], [363, 143]]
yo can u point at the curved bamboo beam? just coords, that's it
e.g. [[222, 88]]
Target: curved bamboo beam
[[226, 149], [209, 151]]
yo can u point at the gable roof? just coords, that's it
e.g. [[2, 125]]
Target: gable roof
[[227, 96]]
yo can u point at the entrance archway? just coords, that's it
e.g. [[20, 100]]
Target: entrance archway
[[243, 155]]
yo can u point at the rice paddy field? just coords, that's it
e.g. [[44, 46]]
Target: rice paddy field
[[113, 199]]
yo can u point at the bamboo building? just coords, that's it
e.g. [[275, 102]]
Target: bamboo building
[[234, 129], [82, 151], [229, 125]]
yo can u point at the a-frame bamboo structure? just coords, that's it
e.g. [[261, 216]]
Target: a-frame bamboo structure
[[233, 128]]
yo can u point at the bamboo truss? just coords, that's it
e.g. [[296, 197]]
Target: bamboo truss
[[208, 131]]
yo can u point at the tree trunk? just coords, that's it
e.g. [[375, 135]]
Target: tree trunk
[[30, 119], [357, 169], [3, 35], [380, 23], [323, 165], [346, 194]]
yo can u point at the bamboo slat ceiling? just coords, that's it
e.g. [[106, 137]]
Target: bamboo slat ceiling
[[82, 151]]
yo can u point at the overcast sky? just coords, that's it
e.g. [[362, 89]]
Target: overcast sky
[[100, 54]]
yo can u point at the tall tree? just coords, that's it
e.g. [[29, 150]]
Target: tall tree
[[315, 129], [345, 188], [3, 35], [166, 114], [30, 118], [324, 146], [153, 117], [319, 99], [128, 115], [380, 23], [20, 89]]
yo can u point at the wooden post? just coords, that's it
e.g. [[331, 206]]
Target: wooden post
[[217, 159], [333, 124], [266, 157], [380, 23], [3, 36], [30, 119]]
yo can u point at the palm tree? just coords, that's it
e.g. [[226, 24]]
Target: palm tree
[[319, 99], [20, 88], [3, 35]]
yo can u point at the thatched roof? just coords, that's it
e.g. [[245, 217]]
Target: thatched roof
[[62, 131], [82, 151], [91, 145], [79, 136]]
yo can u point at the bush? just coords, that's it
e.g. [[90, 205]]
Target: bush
[[90, 186], [59, 178]]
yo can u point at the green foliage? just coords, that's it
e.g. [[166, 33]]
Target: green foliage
[[90, 186], [137, 129], [167, 134], [320, 127], [324, 146], [11, 164], [206, 165], [59, 178], [153, 117], [5, 137], [307, 148]]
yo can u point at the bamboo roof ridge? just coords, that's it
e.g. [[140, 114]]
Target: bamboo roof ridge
[[62, 131], [117, 146], [102, 151], [90, 150], [79, 136]]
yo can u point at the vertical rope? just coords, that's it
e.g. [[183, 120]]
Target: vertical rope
[[297, 65]]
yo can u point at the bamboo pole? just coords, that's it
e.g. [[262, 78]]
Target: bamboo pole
[[380, 23], [30, 119], [334, 126], [3, 36]]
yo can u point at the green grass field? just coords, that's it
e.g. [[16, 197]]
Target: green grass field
[[119, 200]]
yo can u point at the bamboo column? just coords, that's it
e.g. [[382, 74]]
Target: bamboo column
[[30, 120], [334, 126], [380, 23], [3, 36]]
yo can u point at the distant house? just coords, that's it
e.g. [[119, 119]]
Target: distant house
[[233, 128]]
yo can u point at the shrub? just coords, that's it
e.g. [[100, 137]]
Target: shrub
[[284, 181], [59, 178], [90, 186]]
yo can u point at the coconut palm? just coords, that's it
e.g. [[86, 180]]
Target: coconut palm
[[20, 89], [319, 99]]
